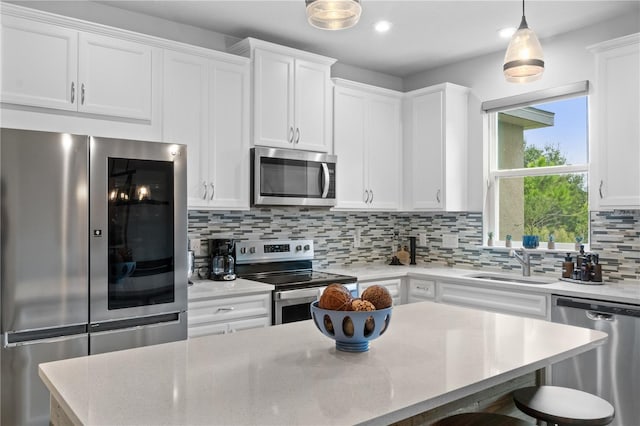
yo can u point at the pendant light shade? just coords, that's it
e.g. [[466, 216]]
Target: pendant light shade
[[333, 14], [524, 61]]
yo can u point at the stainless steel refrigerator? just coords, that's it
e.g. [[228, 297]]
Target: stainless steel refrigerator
[[93, 244]]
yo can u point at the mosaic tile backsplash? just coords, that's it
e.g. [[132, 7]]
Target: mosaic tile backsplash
[[615, 235]]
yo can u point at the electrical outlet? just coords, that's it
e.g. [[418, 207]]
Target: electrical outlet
[[357, 238], [196, 246], [422, 239], [449, 241]]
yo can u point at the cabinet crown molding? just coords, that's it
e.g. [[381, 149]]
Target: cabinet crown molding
[[437, 88], [247, 46], [340, 82], [628, 40]]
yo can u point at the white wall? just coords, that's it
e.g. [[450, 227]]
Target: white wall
[[567, 60]]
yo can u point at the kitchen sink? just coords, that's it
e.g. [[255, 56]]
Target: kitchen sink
[[511, 279]]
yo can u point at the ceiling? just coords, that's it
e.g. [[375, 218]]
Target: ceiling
[[425, 33]]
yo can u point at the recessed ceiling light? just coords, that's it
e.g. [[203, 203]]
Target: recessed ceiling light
[[382, 26], [506, 32]]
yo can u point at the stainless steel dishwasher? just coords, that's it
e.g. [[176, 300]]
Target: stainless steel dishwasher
[[611, 371]]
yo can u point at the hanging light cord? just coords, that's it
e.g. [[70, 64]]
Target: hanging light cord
[[522, 7]]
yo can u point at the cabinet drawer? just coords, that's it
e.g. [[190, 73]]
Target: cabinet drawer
[[229, 308], [508, 302], [420, 290], [394, 286], [227, 327]]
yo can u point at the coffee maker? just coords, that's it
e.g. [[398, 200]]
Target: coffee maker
[[222, 259]]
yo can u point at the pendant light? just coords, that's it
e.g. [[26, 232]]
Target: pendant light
[[333, 14], [523, 61]]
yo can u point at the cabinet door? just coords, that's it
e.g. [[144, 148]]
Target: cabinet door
[[185, 118], [114, 77], [312, 102], [349, 145], [383, 153], [39, 64], [427, 151], [229, 140], [617, 177], [273, 99], [393, 285], [420, 290]]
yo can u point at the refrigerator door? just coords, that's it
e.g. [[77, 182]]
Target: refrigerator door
[[44, 222], [138, 229], [25, 399], [138, 332]]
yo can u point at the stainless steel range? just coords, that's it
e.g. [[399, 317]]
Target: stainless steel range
[[287, 264]]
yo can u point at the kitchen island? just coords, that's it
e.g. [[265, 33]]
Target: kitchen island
[[432, 354]]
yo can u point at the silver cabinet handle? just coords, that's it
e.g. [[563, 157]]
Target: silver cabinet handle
[[297, 135], [213, 191], [291, 133], [438, 195], [204, 196], [73, 91], [366, 196], [371, 200], [225, 309], [420, 288], [600, 189], [82, 94]]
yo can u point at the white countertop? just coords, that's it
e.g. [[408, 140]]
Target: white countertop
[[292, 374], [623, 292], [202, 289]]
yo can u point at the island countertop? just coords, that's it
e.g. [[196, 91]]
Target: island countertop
[[431, 354]]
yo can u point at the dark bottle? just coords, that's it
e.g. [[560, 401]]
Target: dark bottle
[[585, 268], [567, 266], [596, 273]]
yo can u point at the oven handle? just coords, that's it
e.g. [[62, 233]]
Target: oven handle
[[298, 294]]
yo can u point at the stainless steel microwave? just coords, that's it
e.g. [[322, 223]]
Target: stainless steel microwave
[[288, 177]]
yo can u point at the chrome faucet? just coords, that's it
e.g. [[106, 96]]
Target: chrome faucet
[[524, 260]]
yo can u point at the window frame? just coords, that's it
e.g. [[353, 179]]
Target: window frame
[[491, 171]]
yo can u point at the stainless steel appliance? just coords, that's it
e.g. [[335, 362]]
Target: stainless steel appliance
[[222, 260], [610, 371], [287, 264], [291, 177], [93, 238]]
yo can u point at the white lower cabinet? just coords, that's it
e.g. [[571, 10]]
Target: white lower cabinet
[[531, 305], [393, 285], [224, 315], [419, 290]]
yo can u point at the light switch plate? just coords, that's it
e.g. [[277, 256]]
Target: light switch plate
[[196, 246], [449, 241], [422, 239]]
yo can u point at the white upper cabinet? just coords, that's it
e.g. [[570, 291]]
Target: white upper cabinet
[[615, 131], [291, 96], [39, 64], [51, 66], [368, 144], [206, 107], [435, 148], [114, 77]]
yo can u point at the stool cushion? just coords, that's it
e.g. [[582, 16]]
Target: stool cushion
[[563, 406], [481, 419]]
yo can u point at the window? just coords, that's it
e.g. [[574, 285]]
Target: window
[[538, 171]]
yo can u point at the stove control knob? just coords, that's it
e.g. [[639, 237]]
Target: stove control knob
[[252, 250], [243, 250], [306, 247], [298, 247]]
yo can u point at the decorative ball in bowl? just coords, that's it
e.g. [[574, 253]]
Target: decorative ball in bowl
[[352, 323]]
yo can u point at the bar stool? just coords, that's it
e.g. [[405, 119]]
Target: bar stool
[[563, 406], [481, 419]]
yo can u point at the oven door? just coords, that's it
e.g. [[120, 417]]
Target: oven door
[[294, 305], [287, 177], [138, 229]]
